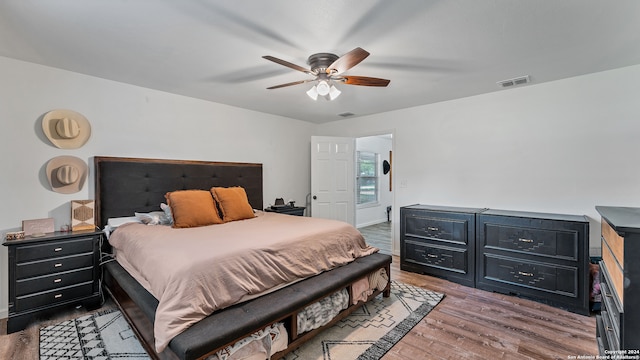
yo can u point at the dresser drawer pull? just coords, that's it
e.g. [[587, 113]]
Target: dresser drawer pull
[[57, 249], [432, 256], [525, 273], [57, 296], [432, 228], [609, 328], [57, 265], [525, 240], [57, 280]]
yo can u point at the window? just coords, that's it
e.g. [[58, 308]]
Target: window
[[367, 177]]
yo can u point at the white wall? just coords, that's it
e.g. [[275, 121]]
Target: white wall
[[370, 214], [558, 147], [133, 122]]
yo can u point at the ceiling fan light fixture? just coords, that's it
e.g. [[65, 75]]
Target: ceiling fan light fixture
[[313, 93], [334, 92], [323, 88]]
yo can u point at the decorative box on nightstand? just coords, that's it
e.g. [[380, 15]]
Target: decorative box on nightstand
[[286, 209], [51, 272]]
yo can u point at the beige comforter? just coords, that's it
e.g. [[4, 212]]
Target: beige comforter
[[196, 271]]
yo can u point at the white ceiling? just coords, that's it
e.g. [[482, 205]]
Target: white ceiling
[[430, 50]]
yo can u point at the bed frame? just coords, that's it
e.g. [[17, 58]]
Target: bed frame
[[127, 185]]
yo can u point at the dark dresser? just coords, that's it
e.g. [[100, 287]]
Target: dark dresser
[[51, 272], [439, 241], [543, 257], [618, 325]]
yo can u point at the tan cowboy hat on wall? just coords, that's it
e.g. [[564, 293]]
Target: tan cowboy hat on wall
[[66, 129], [66, 174]]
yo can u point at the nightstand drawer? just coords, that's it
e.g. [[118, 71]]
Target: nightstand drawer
[[54, 281], [54, 296], [453, 259], [435, 228], [60, 264], [552, 243], [38, 251]]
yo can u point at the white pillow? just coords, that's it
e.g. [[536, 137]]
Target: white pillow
[[113, 223]]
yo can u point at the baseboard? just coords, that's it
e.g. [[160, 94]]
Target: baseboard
[[374, 222]]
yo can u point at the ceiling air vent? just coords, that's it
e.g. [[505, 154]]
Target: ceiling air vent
[[346, 114], [513, 82]]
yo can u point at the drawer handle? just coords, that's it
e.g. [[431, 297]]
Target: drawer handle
[[432, 256], [525, 273], [57, 296], [57, 249], [57, 265], [609, 328], [525, 240], [57, 280], [432, 228]]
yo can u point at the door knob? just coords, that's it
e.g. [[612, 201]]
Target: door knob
[[315, 197]]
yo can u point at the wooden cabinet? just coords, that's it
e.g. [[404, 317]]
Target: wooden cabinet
[[51, 272], [618, 325], [439, 241], [544, 257]]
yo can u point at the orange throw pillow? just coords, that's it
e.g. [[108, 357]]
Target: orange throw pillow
[[192, 208], [233, 202]]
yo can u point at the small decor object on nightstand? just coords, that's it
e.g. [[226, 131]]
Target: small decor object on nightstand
[[82, 215], [14, 235], [38, 227]]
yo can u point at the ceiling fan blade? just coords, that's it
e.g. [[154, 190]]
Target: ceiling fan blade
[[287, 64], [347, 61], [365, 81], [290, 84]]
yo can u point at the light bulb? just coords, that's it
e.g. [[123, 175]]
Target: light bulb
[[322, 88], [334, 92], [313, 93]]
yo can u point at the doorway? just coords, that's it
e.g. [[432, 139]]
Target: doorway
[[373, 190]]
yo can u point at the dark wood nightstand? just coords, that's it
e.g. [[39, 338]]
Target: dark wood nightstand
[[289, 210], [48, 273]]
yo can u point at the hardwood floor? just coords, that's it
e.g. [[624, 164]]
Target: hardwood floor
[[467, 324], [378, 235]]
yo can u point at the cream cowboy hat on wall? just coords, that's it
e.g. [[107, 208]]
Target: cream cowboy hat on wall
[[66, 129], [66, 174]]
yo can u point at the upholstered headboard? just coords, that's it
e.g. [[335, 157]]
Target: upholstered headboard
[[127, 185]]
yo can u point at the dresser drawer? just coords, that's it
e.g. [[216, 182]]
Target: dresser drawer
[[601, 337], [59, 264], [444, 257], [436, 228], [53, 281], [26, 253], [561, 280], [550, 243], [615, 241], [53, 296], [607, 332], [614, 272]]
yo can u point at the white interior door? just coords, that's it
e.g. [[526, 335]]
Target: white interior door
[[333, 178]]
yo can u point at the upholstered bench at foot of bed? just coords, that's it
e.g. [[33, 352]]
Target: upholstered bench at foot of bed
[[231, 324]]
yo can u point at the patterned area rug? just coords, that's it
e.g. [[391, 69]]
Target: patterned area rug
[[367, 334], [100, 336]]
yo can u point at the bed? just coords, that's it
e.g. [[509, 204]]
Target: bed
[[124, 186]]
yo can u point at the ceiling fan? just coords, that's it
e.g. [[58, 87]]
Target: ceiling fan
[[327, 68]]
